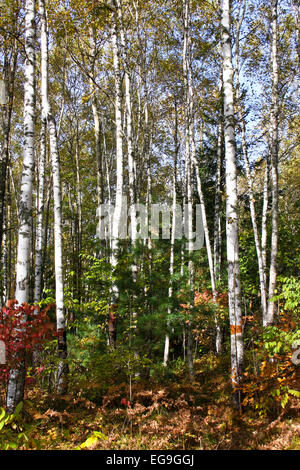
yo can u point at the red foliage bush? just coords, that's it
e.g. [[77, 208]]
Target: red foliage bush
[[23, 329]]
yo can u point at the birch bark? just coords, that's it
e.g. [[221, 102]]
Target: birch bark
[[274, 166], [188, 110], [234, 294], [174, 215], [119, 183], [258, 247], [58, 259], [217, 215], [264, 220], [6, 103], [97, 125], [217, 246], [130, 153], [39, 241], [15, 390]]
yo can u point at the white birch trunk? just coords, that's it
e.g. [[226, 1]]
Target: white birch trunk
[[58, 258], [130, 153], [97, 126], [119, 183], [39, 241], [188, 110], [174, 202], [274, 167], [15, 390], [234, 294], [217, 253], [7, 89], [263, 290], [129, 130], [4, 291], [264, 220], [217, 218]]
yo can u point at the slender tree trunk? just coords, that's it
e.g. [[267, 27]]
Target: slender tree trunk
[[46, 227], [15, 390], [264, 220], [4, 258], [40, 213], [234, 294], [274, 167], [188, 110], [173, 232], [106, 173], [39, 238], [217, 215], [97, 126], [296, 6], [131, 162], [119, 183], [207, 241], [9, 249], [149, 243], [263, 291], [217, 230], [57, 198], [8, 83], [79, 217]]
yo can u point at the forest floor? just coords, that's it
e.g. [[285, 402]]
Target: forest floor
[[179, 415]]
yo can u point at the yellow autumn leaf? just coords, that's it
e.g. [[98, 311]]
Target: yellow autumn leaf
[[91, 441]]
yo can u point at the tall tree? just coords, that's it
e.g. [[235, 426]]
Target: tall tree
[[59, 283], [217, 247], [97, 122], [234, 288], [130, 150], [188, 124], [274, 165], [116, 222], [15, 389], [241, 115], [10, 57], [39, 240], [173, 229]]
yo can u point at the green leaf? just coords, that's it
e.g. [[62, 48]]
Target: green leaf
[[295, 393], [18, 408], [2, 413]]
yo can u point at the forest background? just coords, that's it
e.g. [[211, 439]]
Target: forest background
[[144, 341]]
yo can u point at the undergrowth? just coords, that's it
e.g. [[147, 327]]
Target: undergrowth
[[151, 414]]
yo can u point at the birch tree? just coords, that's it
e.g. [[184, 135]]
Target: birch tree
[[264, 219], [173, 228], [188, 78], [258, 244], [130, 150], [234, 294], [119, 177], [58, 262], [217, 243], [15, 389], [97, 123], [188, 109], [274, 164], [7, 92], [39, 241]]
